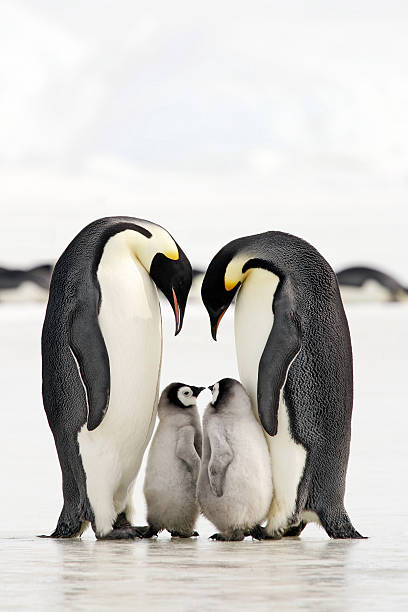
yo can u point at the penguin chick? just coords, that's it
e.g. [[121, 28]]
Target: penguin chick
[[235, 483], [173, 464]]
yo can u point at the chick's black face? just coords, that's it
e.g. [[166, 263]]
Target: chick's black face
[[215, 297], [173, 278]]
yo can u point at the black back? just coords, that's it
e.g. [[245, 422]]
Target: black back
[[71, 324]]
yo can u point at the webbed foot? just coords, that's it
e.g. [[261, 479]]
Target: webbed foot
[[295, 530], [260, 533], [177, 534], [147, 532], [117, 534], [237, 536]]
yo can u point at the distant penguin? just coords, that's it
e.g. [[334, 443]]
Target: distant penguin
[[102, 348], [362, 284], [173, 464], [295, 360], [29, 285], [235, 483]]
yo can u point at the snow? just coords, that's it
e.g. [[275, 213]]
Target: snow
[[311, 573]]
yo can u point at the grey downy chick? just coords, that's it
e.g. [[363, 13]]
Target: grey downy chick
[[235, 483], [173, 464]]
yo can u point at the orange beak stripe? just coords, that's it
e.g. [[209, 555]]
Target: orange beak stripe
[[176, 309], [219, 320]]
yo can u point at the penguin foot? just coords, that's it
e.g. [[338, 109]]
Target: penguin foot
[[257, 533], [295, 530], [237, 536], [260, 533], [147, 531], [121, 522], [177, 534], [118, 534]]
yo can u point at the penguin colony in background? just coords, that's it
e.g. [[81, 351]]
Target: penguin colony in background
[[102, 351]]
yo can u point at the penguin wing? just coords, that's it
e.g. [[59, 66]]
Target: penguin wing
[[281, 348], [186, 451], [221, 457], [88, 348]]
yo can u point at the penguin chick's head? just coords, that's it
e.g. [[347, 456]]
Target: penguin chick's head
[[168, 266], [223, 278], [180, 395], [229, 392]]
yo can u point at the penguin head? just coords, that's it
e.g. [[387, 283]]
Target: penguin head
[[228, 392], [181, 395], [167, 265], [222, 280]]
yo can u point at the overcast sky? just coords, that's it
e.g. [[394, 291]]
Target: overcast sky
[[214, 119]]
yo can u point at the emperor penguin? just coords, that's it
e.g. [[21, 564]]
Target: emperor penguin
[[101, 351], [173, 464], [362, 284], [235, 483], [295, 360]]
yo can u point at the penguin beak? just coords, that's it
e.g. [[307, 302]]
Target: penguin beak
[[177, 313], [197, 390], [215, 323]]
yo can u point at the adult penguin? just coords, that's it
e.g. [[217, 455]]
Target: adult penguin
[[101, 347], [295, 360]]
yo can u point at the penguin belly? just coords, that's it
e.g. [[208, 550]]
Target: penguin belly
[[130, 322], [253, 323]]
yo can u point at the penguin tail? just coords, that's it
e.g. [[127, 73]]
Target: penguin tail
[[337, 524]]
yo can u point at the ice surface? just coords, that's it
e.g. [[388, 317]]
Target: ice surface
[[310, 573]]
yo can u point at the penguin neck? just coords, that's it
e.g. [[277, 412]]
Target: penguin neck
[[123, 246], [253, 324]]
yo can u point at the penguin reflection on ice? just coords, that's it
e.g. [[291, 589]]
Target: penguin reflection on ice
[[235, 483], [295, 360], [173, 464], [101, 348]]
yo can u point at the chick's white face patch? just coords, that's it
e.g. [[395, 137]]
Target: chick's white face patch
[[186, 397], [215, 392]]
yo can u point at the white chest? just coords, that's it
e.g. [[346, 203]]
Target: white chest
[[253, 323], [130, 323]]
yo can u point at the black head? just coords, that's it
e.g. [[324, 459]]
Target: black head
[[217, 291], [173, 277], [181, 395]]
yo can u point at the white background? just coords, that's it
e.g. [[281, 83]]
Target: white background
[[215, 119]]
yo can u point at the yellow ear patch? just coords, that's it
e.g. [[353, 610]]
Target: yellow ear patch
[[233, 273], [172, 254], [230, 284]]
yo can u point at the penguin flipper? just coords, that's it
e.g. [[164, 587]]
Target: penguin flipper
[[89, 350], [221, 457], [185, 450], [281, 348]]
